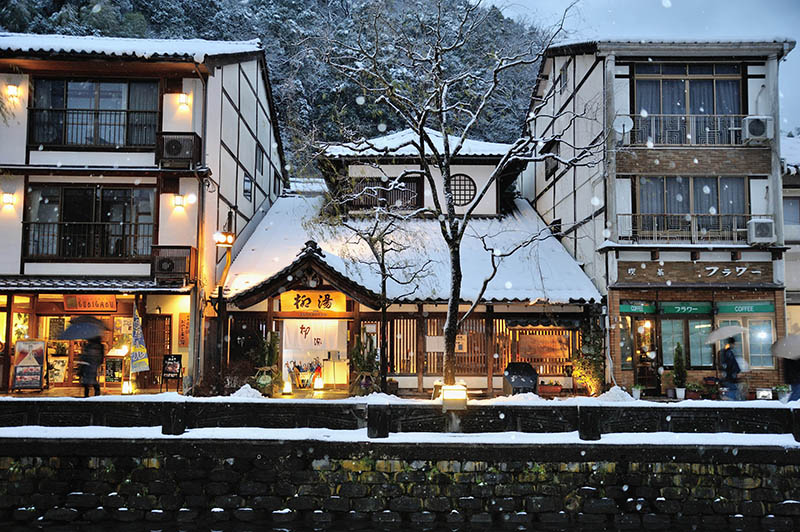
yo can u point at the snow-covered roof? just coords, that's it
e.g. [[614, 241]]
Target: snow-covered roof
[[31, 283], [543, 271], [196, 49], [751, 45], [790, 154], [399, 144]]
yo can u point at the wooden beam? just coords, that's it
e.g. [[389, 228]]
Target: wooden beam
[[490, 350], [421, 330]]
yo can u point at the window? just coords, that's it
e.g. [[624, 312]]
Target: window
[[247, 187], [791, 211], [88, 222], [463, 188], [759, 334], [671, 336], [550, 163], [563, 78], [260, 155], [679, 103], [94, 113]]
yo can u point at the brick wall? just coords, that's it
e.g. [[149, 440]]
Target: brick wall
[[274, 484], [766, 378], [681, 161]]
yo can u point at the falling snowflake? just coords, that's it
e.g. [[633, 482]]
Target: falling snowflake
[[643, 112], [595, 201], [382, 127], [508, 285], [360, 100]]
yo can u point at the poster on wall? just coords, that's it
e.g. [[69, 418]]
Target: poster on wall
[[57, 326], [58, 370], [29, 365], [183, 329]]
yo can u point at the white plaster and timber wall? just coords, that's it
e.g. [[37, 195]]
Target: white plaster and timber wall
[[14, 130], [11, 223]]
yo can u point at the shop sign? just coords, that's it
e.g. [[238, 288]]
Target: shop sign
[[311, 335], [689, 272], [171, 367], [461, 343], [28, 365], [183, 329], [637, 308], [745, 307], [90, 303], [313, 301], [682, 307]]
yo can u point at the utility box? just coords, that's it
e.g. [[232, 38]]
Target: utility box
[[519, 377]]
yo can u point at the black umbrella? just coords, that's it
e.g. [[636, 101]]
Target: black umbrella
[[83, 328]]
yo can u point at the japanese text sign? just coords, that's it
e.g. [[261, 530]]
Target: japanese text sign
[[313, 301]]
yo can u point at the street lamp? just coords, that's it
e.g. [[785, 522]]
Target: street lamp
[[223, 240]]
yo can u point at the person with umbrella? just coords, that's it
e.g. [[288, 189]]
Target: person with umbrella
[[731, 369], [91, 329], [788, 348]]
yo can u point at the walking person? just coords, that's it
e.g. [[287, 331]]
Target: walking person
[[791, 371], [731, 370], [90, 361]]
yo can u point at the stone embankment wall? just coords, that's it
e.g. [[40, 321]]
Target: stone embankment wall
[[656, 488]]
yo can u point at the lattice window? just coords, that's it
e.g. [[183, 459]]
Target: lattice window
[[464, 189]]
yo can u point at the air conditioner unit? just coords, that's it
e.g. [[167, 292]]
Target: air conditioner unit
[[757, 128], [174, 263], [760, 231], [178, 150]]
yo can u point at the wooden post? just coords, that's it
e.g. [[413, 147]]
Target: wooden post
[[490, 350], [422, 328]]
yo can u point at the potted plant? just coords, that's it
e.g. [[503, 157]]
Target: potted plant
[[782, 391], [637, 390], [679, 373], [694, 390], [550, 387]]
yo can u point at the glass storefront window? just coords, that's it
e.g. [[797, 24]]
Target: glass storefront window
[[700, 353], [20, 326], [3, 301], [671, 335], [626, 342], [760, 340], [3, 331]]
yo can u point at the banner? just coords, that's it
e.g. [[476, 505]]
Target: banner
[[311, 335], [139, 361], [28, 365]]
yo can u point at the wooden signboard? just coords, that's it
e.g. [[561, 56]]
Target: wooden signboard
[[114, 369], [308, 303], [705, 273], [92, 303], [183, 329]]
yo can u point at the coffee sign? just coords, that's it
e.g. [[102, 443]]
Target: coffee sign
[[312, 302]]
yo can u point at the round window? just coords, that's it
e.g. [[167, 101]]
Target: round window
[[464, 189]]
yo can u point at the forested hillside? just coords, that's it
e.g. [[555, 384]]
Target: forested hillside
[[310, 99]]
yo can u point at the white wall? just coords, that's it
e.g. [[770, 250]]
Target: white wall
[[177, 226], [101, 269], [14, 131], [114, 159], [11, 224], [177, 117]]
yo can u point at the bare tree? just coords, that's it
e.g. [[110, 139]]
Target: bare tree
[[416, 67], [382, 229]]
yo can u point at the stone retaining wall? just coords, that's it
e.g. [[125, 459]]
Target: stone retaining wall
[[627, 487]]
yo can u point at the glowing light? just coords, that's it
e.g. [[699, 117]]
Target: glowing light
[[9, 199], [648, 324], [183, 101], [224, 239], [178, 200], [127, 389], [12, 91], [454, 397], [318, 384], [287, 387]]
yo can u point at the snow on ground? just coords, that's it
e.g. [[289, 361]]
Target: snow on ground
[[726, 439], [614, 397]]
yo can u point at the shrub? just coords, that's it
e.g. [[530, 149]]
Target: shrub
[[679, 368]]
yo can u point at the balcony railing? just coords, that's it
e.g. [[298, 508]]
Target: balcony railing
[[87, 240], [93, 128], [373, 192], [685, 228], [685, 130]]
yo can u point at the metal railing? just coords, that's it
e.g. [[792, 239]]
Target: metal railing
[[685, 130], [373, 192], [680, 228], [83, 240], [93, 127]]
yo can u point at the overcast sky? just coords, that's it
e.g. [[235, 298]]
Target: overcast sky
[[681, 19]]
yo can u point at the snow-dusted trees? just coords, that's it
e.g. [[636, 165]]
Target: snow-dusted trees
[[430, 70]]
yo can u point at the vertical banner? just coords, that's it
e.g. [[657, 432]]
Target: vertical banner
[[139, 361]]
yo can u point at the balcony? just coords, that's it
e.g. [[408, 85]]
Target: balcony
[[370, 193], [684, 130], [93, 129], [685, 228], [88, 240]]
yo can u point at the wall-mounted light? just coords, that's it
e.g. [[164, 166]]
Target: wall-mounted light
[[183, 101], [178, 201], [12, 91], [9, 199], [224, 239]]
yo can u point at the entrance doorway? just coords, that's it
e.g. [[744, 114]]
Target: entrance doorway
[[315, 353]]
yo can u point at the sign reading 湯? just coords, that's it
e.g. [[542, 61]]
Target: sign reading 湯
[[90, 303], [312, 302]]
